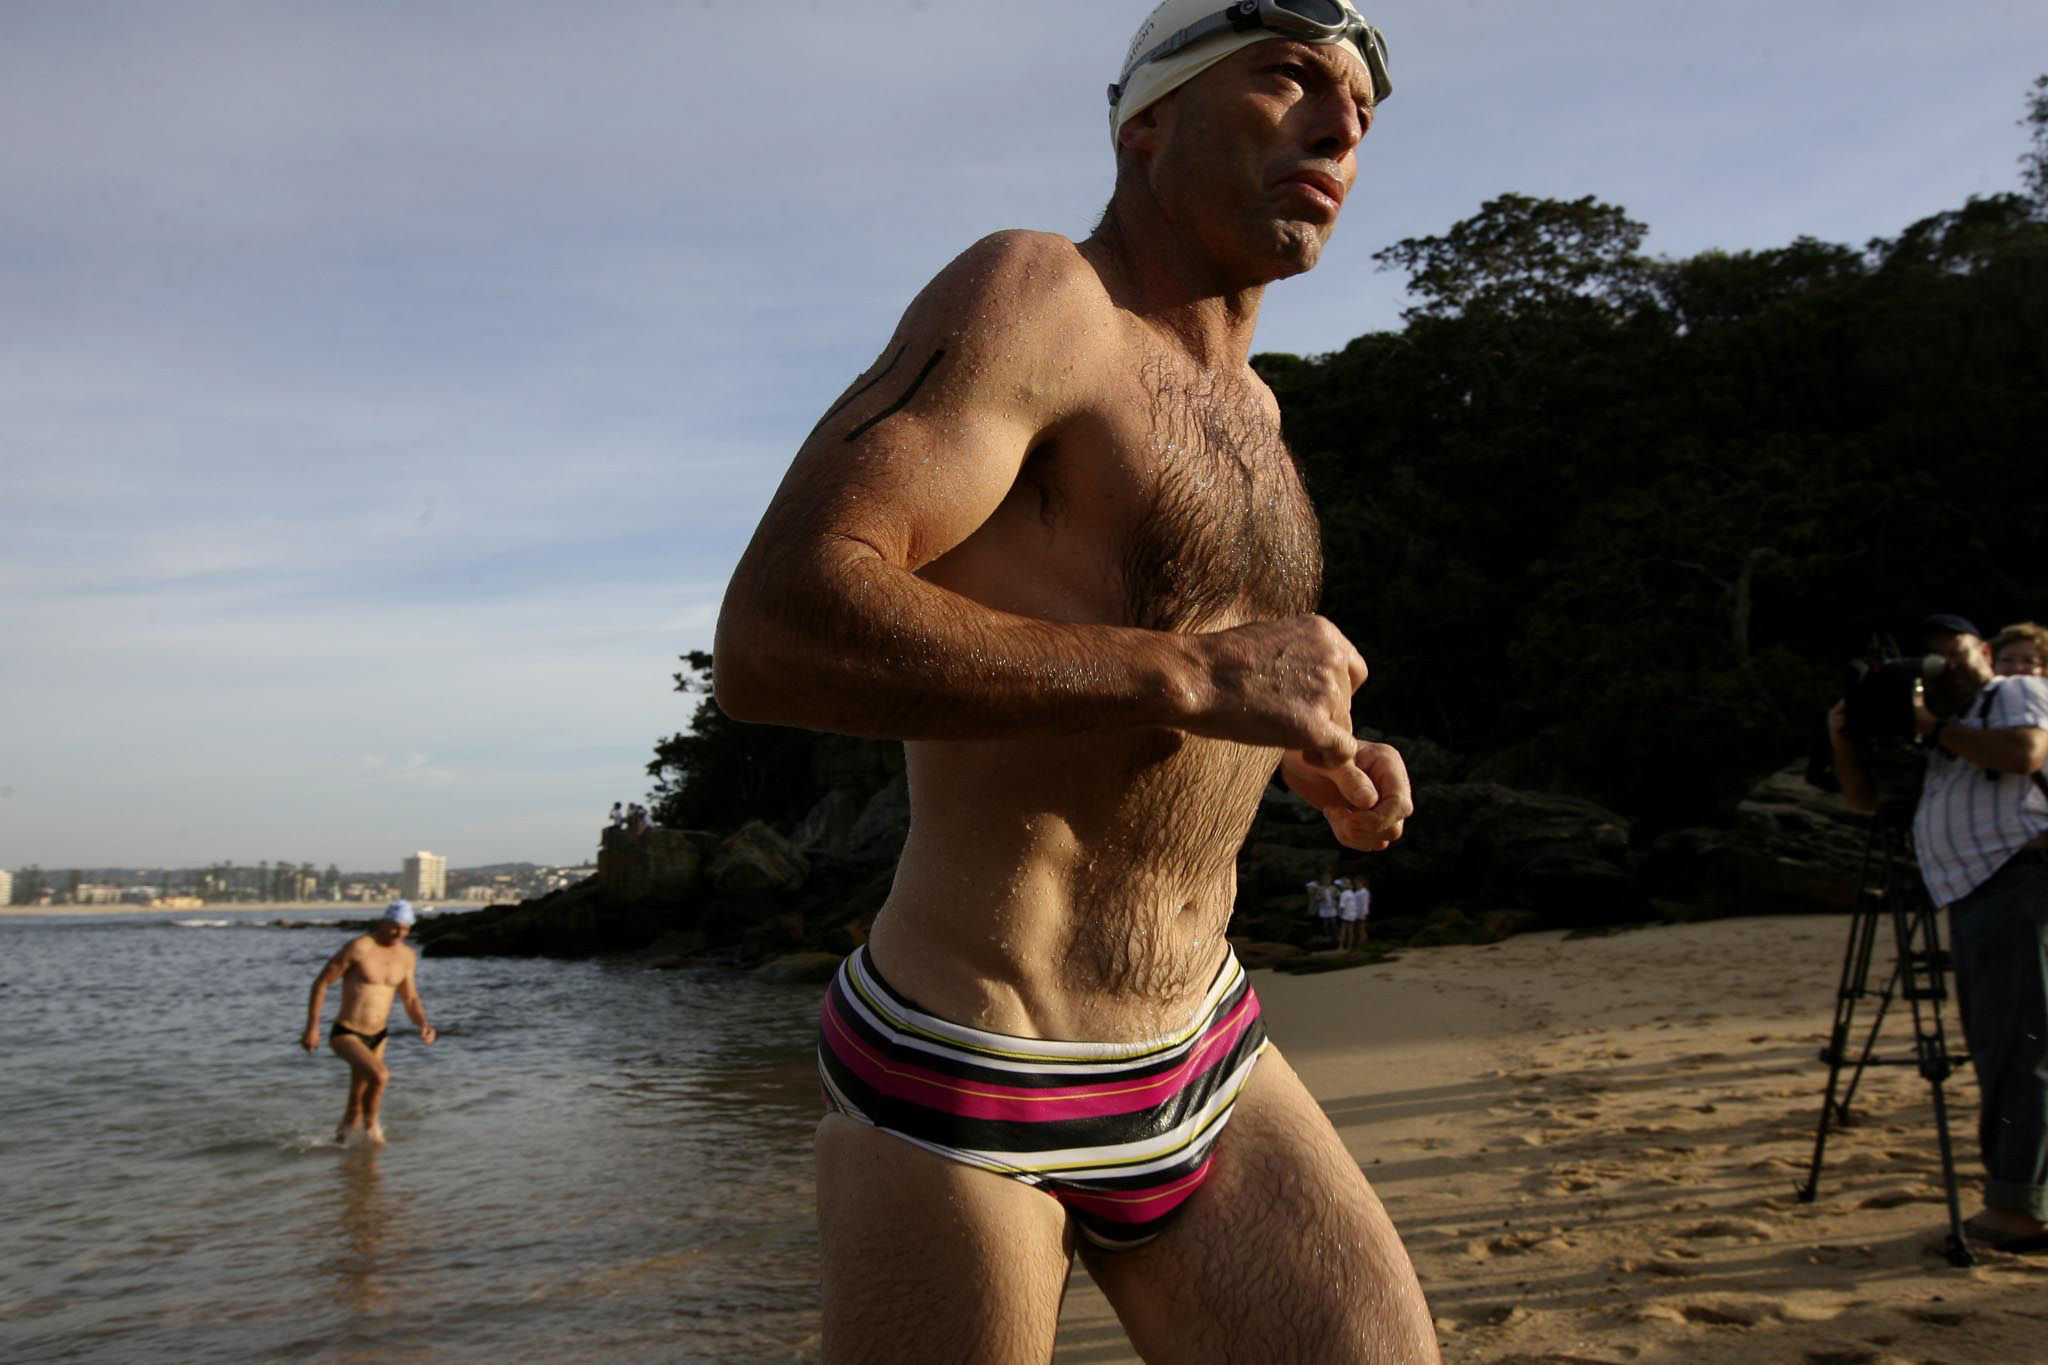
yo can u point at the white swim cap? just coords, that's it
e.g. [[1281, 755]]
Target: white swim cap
[[398, 912], [1139, 86]]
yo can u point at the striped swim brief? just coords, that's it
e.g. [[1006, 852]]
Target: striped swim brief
[[1120, 1133]]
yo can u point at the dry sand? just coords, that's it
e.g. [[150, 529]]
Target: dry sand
[[1592, 1147]]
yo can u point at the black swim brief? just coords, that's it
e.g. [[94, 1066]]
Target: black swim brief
[[370, 1040]]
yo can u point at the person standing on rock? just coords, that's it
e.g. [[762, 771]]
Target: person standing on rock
[[373, 968], [1054, 541]]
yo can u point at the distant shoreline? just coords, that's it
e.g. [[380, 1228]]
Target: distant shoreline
[[340, 909]]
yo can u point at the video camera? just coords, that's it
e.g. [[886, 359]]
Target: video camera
[[1878, 694]]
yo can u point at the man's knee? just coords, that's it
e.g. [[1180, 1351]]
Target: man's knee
[[369, 1072]]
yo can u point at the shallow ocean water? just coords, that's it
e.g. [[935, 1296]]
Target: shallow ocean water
[[595, 1161]]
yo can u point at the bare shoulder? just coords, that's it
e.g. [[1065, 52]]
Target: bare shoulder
[[1042, 269], [1013, 288]]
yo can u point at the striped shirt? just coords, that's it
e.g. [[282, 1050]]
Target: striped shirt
[[1971, 820]]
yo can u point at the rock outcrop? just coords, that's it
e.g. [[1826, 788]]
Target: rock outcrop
[[1480, 861]]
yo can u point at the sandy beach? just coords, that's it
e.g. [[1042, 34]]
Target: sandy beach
[[1591, 1148]]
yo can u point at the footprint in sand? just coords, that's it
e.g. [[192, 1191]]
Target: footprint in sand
[[1730, 1313], [1742, 1229], [1548, 1242], [1896, 1199], [1672, 1262]]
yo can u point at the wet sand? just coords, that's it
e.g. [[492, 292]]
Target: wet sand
[[1592, 1148]]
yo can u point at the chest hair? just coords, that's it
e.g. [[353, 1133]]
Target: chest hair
[[1229, 534]]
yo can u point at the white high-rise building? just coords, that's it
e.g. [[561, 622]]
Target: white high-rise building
[[6, 887], [426, 877]]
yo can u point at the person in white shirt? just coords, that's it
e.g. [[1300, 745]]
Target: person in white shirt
[[1980, 834], [1352, 909], [1322, 903]]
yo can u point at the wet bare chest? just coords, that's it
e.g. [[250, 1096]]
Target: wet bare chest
[[1217, 528]]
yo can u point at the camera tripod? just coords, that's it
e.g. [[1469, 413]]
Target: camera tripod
[[1890, 888]]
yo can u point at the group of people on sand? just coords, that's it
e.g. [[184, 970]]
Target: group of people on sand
[[1341, 906], [634, 819]]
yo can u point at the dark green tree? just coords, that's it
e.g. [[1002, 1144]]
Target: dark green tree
[[721, 772], [1520, 254], [29, 885], [1611, 526], [2034, 162]]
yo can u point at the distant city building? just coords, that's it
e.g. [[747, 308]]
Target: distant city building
[[96, 893], [6, 887], [426, 877]]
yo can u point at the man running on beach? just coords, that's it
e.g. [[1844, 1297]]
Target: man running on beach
[[372, 968], [1053, 539]]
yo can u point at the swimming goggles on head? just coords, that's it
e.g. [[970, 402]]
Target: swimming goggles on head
[[1311, 21]]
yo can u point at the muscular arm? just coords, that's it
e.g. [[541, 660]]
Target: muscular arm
[[415, 1008], [2011, 749], [329, 974], [827, 624]]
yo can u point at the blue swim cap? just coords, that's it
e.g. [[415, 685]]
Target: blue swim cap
[[398, 912]]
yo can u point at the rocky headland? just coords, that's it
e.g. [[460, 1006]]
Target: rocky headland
[[1480, 861]]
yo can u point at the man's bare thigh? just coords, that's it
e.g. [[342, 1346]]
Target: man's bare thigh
[[1284, 1254], [362, 1059], [924, 1259]]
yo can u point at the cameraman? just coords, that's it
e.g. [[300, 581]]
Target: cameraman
[[1980, 832]]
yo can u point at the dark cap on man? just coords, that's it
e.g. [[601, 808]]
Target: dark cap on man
[[1947, 623]]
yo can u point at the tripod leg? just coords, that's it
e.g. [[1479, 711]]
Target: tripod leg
[[1919, 934], [1852, 987]]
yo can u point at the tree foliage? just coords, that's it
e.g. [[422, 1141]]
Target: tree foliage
[[2034, 162], [1622, 549], [720, 771], [1521, 255]]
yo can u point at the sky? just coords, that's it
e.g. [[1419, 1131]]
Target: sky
[[388, 387]]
